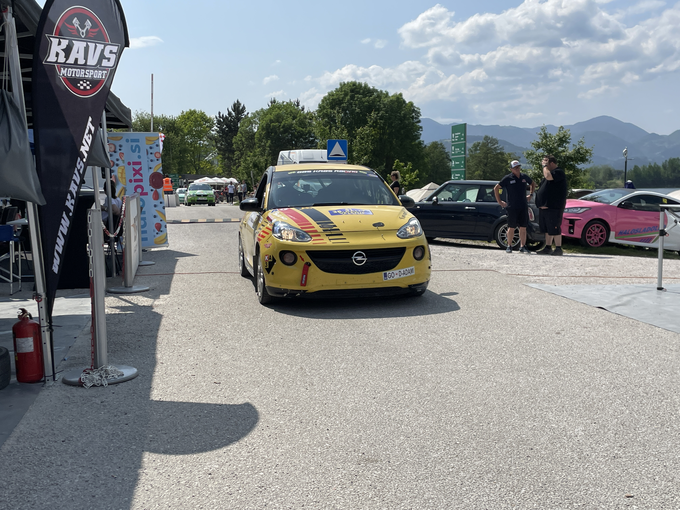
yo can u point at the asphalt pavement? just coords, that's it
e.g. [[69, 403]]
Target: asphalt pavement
[[483, 393]]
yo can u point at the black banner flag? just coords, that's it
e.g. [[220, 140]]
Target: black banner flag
[[77, 50]]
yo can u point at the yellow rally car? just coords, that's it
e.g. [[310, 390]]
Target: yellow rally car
[[319, 230]]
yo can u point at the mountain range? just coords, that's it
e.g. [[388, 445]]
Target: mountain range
[[606, 135]]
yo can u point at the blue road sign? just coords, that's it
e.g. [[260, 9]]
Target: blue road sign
[[336, 150]]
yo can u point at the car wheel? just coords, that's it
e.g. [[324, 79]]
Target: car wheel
[[595, 234], [241, 262], [501, 236], [535, 245], [260, 285]]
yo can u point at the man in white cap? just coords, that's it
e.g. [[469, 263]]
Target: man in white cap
[[515, 203]]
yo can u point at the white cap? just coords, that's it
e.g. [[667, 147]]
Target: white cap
[[515, 163]]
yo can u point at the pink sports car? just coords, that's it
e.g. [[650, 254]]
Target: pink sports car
[[624, 216]]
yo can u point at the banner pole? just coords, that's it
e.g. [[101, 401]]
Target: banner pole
[[151, 103], [12, 49]]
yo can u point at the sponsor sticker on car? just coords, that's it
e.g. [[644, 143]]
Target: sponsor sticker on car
[[399, 273]]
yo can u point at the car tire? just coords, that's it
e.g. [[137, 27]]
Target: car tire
[[500, 236], [260, 283], [241, 261], [595, 234], [535, 245]]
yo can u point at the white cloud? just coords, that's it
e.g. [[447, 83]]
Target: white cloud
[[276, 63], [516, 60], [270, 79], [144, 41], [277, 94], [380, 44]]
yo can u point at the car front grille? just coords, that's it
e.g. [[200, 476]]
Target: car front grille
[[340, 261]]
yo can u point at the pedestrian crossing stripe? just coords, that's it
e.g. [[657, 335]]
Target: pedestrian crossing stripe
[[204, 220], [337, 151]]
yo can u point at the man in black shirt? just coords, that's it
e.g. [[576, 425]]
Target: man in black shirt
[[551, 199], [515, 189]]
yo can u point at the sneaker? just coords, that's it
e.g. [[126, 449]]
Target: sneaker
[[545, 251], [508, 249], [558, 251], [523, 249]]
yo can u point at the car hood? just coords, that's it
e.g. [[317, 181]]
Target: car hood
[[346, 218], [574, 202], [199, 192]]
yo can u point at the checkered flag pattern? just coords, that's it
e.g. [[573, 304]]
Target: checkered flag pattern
[[84, 85]]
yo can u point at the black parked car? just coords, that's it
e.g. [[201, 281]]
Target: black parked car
[[468, 210]]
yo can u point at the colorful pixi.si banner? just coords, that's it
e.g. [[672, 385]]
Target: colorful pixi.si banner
[[76, 54], [137, 165]]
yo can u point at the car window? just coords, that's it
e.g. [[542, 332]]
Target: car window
[[306, 188], [648, 202], [607, 196], [486, 194], [454, 192], [199, 187]]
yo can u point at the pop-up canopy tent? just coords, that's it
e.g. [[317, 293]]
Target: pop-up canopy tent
[[422, 193], [26, 16]]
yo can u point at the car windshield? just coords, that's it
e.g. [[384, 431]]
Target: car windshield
[[182, 190], [199, 187], [607, 196], [305, 188]]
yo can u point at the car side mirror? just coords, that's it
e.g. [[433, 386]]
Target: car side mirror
[[626, 205], [407, 201], [251, 204], [435, 200]]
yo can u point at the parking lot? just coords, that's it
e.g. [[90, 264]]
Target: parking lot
[[483, 393]]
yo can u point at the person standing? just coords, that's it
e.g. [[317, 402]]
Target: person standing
[[244, 189], [551, 198], [515, 204], [230, 190], [396, 185]]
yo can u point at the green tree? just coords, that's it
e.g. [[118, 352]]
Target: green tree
[[488, 160], [409, 177], [174, 145], [226, 128], [603, 176], [196, 128], [666, 175], [268, 131], [380, 128], [569, 157], [437, 163]]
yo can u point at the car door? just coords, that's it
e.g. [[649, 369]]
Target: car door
[[487, 212], [451, 212], [252, 221], [637, 218]]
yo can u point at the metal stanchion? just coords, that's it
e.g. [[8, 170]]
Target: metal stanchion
[[101, 372]]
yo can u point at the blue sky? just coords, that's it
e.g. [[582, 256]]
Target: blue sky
[[482, 62]]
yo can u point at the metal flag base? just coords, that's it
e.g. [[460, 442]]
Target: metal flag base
[[128, 290], [146, 263], [72, 377]]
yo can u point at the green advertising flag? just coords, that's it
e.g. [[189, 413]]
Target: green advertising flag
[[458, 151]]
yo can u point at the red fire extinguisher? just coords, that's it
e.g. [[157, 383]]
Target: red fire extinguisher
[[27, 349]]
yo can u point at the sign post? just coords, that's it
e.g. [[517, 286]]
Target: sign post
[[458, 151]]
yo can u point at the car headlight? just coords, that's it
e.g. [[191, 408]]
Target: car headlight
[[576, 210], [286, 232], [411, 229]]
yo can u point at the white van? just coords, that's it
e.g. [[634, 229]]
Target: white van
[[302, 156]]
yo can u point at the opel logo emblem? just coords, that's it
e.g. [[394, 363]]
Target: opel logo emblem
[[359, 258]]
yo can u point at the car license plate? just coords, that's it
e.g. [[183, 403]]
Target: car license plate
[[399, 273]]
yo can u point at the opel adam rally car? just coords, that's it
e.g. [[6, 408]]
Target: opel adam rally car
[[330, 230], [200, 193]]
